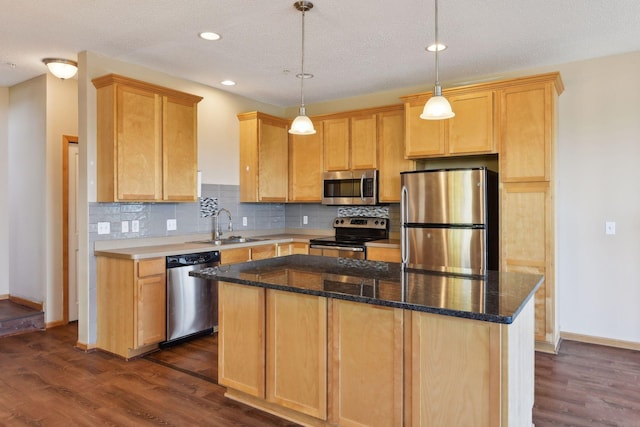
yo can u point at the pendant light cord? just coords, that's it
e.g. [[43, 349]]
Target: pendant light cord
[[437, 89], [302, 68]]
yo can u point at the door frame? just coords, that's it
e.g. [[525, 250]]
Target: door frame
[[66, 140]]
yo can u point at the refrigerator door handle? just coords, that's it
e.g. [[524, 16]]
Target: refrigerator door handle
[[404, 237]]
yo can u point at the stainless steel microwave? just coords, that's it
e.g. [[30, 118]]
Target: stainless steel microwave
[[357, 187]]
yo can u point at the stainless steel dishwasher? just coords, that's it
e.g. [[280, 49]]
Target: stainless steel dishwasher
[[192, 303]]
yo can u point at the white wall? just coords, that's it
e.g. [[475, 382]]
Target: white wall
[[4, 191], [598, 175], [61, 119], [27, 175]]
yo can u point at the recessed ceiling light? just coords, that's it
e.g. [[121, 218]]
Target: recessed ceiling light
[[208, 35], [432, 48], [228, 83]]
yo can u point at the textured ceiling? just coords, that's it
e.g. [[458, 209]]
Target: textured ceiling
[[352, 48]]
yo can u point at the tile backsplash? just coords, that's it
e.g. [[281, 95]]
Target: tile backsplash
[[196, 217]]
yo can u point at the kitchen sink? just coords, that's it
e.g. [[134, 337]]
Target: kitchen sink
[[230, 240]]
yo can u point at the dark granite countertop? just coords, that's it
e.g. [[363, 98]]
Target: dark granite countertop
[[497, 297]]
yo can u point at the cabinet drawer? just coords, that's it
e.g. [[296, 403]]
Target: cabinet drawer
[[151, 267], [230, 256]]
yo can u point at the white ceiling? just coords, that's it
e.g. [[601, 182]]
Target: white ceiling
[[352, 47]]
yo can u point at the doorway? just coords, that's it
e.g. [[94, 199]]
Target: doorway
[[69, 228]]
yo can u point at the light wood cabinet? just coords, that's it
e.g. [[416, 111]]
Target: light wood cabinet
[[383, 254], [264, 157], [305, 167], [452, 357], [527, 236], [292, 248], [391, 159], [244, 254], [147, 142], [471, 131], [141, 286], [350, 142], [336, 144], [296, 374], [241, 338], [366, 366], [527, 126]]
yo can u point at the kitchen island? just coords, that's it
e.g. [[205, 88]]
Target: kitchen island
[[334, 341]]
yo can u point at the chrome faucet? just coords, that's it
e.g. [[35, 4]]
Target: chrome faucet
[[217, 232]]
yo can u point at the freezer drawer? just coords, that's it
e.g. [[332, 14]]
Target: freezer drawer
[[448, 249]]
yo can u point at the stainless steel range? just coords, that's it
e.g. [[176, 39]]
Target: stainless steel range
[[351, 234]]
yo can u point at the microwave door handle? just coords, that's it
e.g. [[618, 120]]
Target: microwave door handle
[[404, 236], [362, 187]]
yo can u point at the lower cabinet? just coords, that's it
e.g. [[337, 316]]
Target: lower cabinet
[[366, 364], [292, 248], [384, 254], [141, 285], [235, 255], [324, 362]]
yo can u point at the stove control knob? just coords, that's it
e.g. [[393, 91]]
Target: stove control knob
[[382, 222], [376, 222]]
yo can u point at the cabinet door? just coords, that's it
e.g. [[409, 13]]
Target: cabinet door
[[526, 244], [139, 144], [366, 364], [526, 124], [293, 248], [273, 163], [241, 339], [391, 159], [471, 130], [384, 254], [151, 310], [296, 352], [364, 142], [232, 256], [423, 138], [336, 144], [248, 159], [180, 150], [263, 252], [305, 167], [452, 357]]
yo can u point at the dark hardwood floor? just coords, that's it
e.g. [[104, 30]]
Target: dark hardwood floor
[[44, 381]]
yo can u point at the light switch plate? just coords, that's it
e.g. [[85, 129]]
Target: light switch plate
[[244, 221], [125, 226], [610, 227], [305, 219], [172, 225], [135, 226]]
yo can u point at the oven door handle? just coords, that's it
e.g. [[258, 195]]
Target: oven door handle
[[338, 248]]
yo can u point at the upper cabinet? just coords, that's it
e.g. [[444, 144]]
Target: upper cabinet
[[263, 158], [391, 159], [147, 142], [471, 131], [350, 141], [305, 167]]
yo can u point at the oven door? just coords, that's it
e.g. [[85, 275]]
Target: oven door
[[353, 252]]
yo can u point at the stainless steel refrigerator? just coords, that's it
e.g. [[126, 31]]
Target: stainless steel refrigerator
[[450, 220]]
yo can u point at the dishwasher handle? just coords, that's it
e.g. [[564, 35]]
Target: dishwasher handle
[[174, 261]]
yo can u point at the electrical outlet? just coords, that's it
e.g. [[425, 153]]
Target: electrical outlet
[[135, 226], [244, 221], [124, 226], [104, 228], [172, 225], [305, 219], [610, 227]]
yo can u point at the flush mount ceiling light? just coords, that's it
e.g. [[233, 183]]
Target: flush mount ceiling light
[[437, 107], [432, 48], [61, 68], [228, 83], [208, 35], [302, 124]]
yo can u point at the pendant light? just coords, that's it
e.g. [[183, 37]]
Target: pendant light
[[61, 68], [437, 107], [302, 124]]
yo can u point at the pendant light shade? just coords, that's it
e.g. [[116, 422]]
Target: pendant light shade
[[61, 68], [437, 107], [302, 124]]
